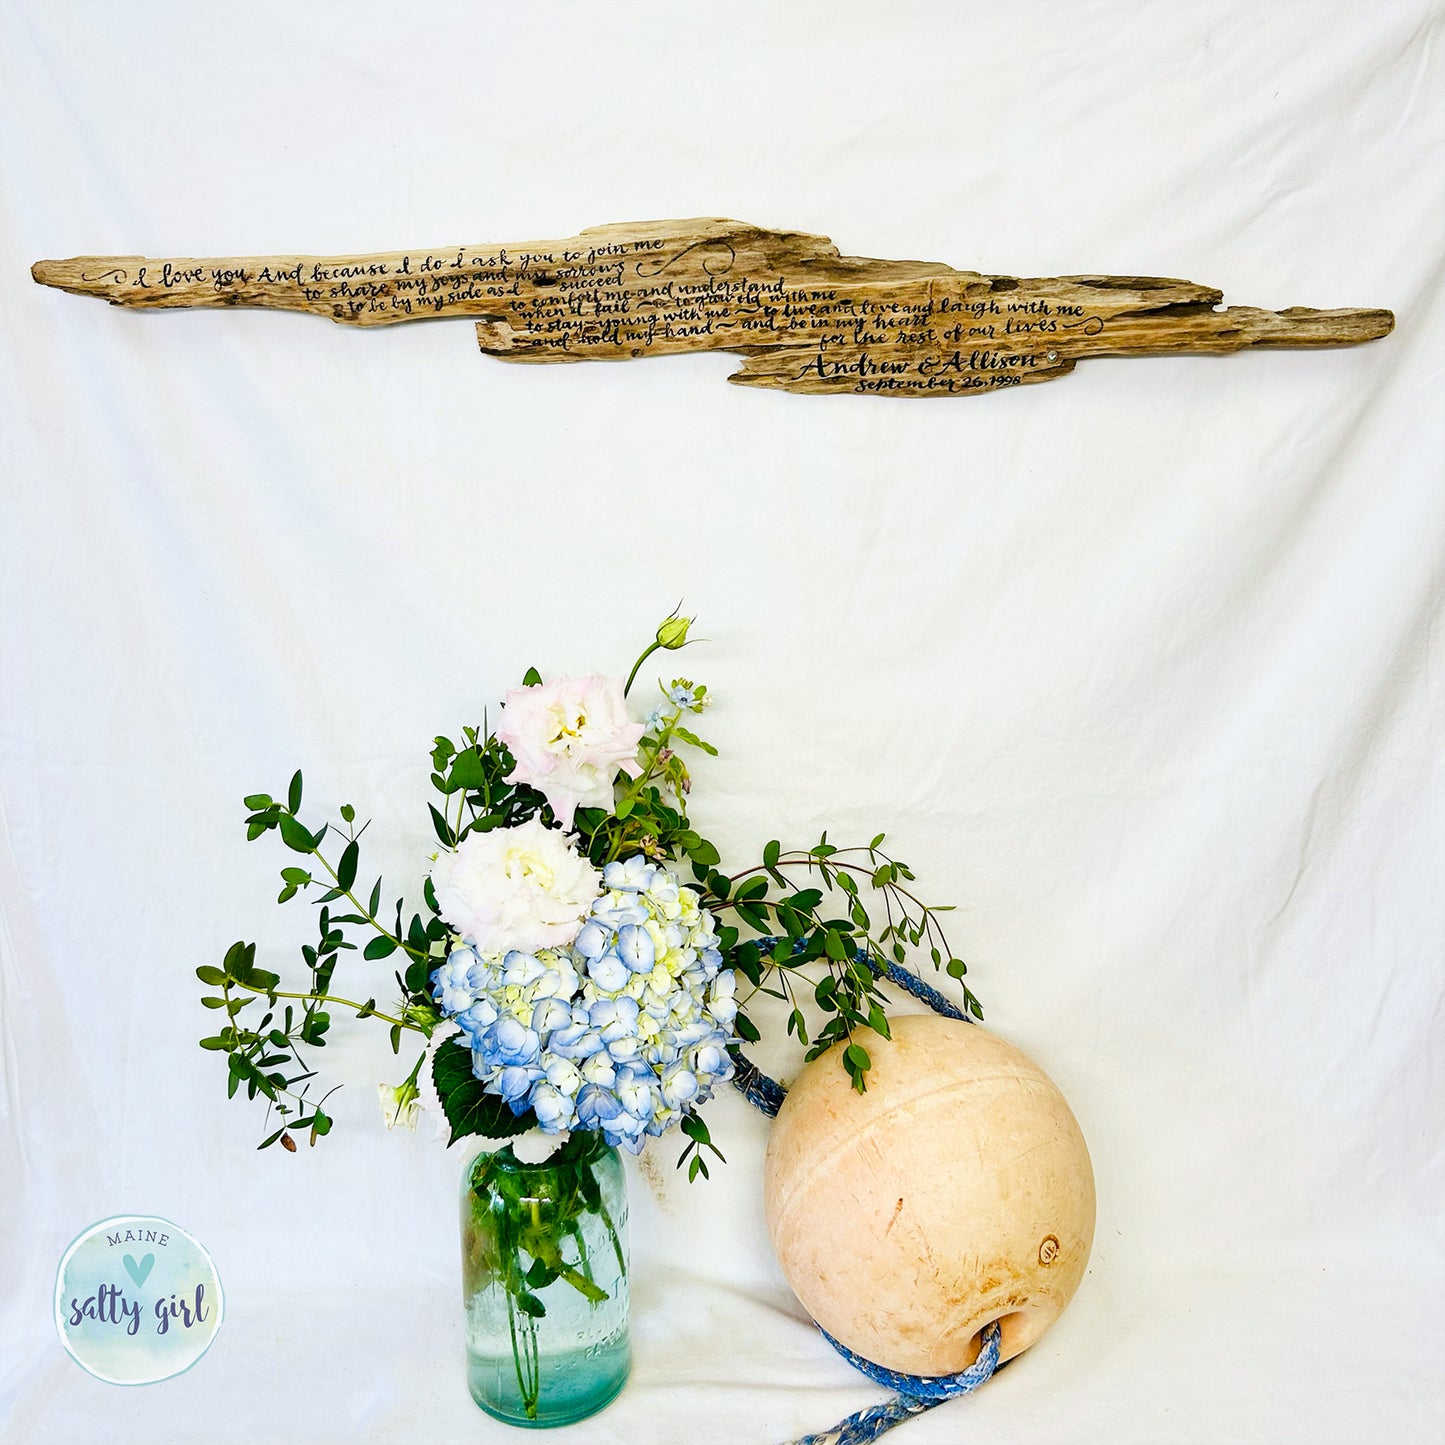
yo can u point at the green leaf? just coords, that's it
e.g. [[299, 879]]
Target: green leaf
[[293, 797], [746, 1028], [443, 828], [298, 876], [348, 813], [705, 853], [469, 1108], [256, 801], [346, 868], [295, 836], [856, 1056], [533, 678], [957, 968], [694, 740], [245, 1070], [468, 771], [379, 947], [540, 1275], [213, 976], [238, 960]]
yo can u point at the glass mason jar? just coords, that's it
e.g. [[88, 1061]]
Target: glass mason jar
[[544, 1282]]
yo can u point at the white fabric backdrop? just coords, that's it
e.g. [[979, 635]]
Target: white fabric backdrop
[[1142, 668]]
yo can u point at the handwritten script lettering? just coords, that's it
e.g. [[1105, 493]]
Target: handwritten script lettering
[[803, 317]]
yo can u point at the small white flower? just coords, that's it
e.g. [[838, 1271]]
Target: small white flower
[[564, 1076], [400, 1106]]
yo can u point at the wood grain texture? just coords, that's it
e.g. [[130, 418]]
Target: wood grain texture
[[804, 318]]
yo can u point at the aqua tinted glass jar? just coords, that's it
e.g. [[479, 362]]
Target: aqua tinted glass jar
[[544, 1282]]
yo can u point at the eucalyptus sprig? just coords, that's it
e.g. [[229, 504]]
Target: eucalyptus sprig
[[263, 1056], [852, 952]]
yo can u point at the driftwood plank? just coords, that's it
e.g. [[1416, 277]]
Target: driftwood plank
[[804, 318]]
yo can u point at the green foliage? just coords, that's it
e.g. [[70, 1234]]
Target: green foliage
[[268, 1055], [469, 1108], [839, 917], [863, 918], [698, 1140]]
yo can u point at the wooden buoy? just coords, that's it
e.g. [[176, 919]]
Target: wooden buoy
[[956, 1191]]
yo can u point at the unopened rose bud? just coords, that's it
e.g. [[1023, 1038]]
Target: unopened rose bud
[[673, 633]]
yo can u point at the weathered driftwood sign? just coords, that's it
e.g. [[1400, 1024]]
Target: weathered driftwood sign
[[803, 317]]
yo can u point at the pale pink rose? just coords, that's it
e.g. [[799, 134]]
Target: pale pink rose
[[525, 887], [570, 738]]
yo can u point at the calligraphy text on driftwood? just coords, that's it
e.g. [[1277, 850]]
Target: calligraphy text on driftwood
[[803, 318]]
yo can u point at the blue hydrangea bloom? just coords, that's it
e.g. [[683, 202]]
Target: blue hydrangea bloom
[[623, 1031]]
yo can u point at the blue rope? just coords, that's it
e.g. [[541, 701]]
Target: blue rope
[[896, 973], [914, 1393], [759, 1090]]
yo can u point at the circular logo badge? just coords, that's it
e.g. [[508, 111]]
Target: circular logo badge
[[137, 1299]]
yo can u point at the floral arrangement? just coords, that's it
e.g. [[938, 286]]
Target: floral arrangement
[[566, 975], [573, 985]]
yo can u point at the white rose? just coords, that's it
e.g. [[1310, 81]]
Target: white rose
[[570, 738], [519, 888]]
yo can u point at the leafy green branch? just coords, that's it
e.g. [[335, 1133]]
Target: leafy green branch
[[698, 1140], [854, 953]]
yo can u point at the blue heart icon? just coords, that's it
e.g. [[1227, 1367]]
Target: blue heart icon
[[139, 1272]]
